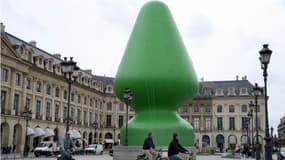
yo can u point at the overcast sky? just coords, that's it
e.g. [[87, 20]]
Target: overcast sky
[[222, 37]]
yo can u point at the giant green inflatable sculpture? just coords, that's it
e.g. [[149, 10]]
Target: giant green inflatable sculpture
[[158, 71]]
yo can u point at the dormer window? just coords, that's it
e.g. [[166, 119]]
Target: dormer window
[[219, 92], [109, 89], [58, 69], [30, 56], [243, 91], [21, 49], [40, 61], [49, 65], [231, 91]]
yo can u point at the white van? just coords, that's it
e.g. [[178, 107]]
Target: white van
[[94, 148], [47, 148]]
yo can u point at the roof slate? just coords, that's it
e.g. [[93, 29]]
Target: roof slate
[[16, 41], [206, 88]]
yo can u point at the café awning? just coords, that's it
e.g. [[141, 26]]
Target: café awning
[[39, 132]]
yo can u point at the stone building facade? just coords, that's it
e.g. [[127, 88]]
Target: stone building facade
[[281, 132], [31, 78], [219, 111]]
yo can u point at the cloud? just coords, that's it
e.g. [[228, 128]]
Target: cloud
[[222, 37], [200, 26]]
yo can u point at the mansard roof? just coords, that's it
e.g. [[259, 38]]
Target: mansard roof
[[15, 41], [207, 89]]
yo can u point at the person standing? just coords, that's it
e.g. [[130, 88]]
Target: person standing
[[175, 148], [149, 147]]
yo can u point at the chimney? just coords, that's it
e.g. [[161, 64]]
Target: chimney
[[88, 71], [2, 27], [237, 77], [57, 55], [244, 77], [33, 43], [202, 79]]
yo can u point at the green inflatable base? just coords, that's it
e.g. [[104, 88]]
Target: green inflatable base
[[162, 124]]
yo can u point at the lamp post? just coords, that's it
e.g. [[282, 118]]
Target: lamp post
[[27, 115], [250, 115], [264, 58], [70, 72], [256, 93], [128, 95]]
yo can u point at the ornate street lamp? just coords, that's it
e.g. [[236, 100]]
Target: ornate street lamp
[[256, 92], [264, 58], [128, 95], [27, 115], [250, 115], [70, 72]]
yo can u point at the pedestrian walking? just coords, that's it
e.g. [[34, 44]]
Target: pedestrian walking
[[245, 152], [9, 149], [14, 148]]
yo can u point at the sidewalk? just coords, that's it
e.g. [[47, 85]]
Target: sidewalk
[[16, 156]]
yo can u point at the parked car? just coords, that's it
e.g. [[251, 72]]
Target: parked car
[[94, 148], [281, 153], [78, 150], [47, 148]]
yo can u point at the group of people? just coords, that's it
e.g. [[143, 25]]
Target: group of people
[[148, 147], [8, 149], [174, 148]]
